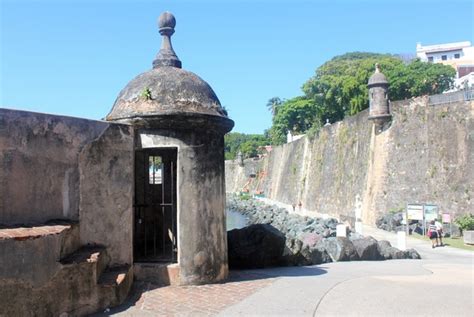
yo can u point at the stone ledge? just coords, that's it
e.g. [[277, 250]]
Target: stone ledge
[[21, 233]]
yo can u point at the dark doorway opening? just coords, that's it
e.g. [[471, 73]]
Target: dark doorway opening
[[155, 230]]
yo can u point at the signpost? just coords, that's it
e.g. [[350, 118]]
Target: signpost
[[413, 212], [423, 212], [446, 218], [431, 212]]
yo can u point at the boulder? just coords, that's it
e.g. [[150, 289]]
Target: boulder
[[388, 252], [339, 249], [292, 254], [417, 229], [306, 240], [310, 239], [331, 223], [367, 248], [412, 254], [298, 252], [383, 248], [315, 255], [394, 253], [255, 246]]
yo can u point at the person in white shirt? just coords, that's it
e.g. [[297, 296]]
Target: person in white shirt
[[433, 234], [439, 229]]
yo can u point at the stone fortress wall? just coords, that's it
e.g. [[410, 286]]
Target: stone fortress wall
[[66, 187], [55, 167], [426, 156]]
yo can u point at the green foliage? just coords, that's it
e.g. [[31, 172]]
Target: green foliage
[[432, 171], [314, 130], [244, 196], [146, 93], [465, 222], [273, 104], [339, 86], [296, 115], [396, 210], [248, 144]]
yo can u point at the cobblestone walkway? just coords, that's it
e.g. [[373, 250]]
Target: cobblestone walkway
[[204, 300]]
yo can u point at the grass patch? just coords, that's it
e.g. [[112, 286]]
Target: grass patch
[[452, 242], [244, 196]]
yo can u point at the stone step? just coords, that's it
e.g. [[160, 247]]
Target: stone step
[[90, 254], [31, 252], [115, 283], [162, 274]]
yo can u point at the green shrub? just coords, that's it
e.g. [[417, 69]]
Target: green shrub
[[465, 222], [146, 93], [244, 196]]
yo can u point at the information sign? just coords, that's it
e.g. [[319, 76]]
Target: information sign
[[415, 212], [446, 218], [431, 212]]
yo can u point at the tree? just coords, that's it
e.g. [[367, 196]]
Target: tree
[[296, 115], [339, 88], [419, 78], [247, 144], [340, 85], [273, 104]]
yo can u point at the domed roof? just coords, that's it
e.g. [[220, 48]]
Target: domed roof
[[377, 77], [166, 89]]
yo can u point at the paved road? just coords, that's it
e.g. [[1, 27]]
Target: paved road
[[441, 284]]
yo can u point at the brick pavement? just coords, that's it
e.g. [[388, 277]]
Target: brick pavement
[[204, 300]]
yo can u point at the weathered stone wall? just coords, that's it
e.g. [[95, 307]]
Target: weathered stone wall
[[39, 175], [430, 157], [55, 167], [425, 156], [106, 192]]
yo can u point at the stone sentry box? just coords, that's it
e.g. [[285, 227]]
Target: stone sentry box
[[379, 105], [179, 204]]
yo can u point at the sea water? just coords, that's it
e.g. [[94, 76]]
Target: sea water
[[235, 220]]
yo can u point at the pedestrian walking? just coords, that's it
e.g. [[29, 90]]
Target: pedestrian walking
[[439, 230], [433, 234]]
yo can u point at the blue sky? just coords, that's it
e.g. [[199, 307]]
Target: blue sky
[[74, 57]]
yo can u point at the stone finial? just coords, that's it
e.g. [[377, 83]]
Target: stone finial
[[166, 56], [377, 67]]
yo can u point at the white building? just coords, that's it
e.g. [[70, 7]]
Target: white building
[[459, 55], [442, 53]]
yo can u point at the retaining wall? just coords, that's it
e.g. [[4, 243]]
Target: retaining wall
[[425, 156]]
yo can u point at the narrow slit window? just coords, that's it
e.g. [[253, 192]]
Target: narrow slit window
[[155, 170]]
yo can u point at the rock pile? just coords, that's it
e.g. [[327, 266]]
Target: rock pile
[[393, 222], [276, 237], [390, 222]]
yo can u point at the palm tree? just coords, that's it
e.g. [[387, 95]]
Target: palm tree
[[273, 104]]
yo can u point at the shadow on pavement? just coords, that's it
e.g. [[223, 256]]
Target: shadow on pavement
[[257, 274], [136, 293]]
